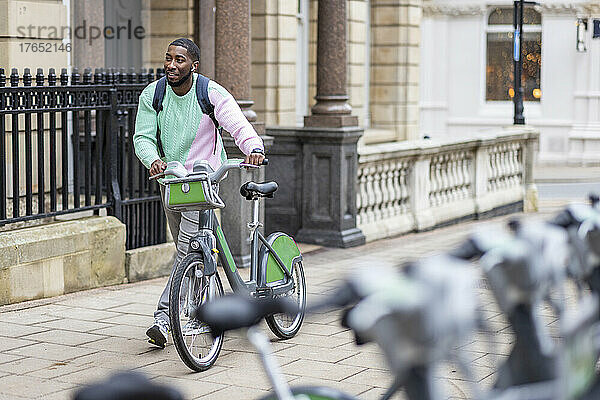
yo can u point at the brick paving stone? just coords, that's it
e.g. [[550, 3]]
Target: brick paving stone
[[85, 376], [366, 360], [315, 353], [371, 377], [25, 365], [130, 319], [377, 393], [136, 308], [25, 317], [4, 358], [124, 331], [57, 369], [75, 325], [13, 330], [243, 360], [8, 343], [51, 351], [345, 387], [68, 338], [119, 345], [328, 342], [177, 369], [115, 360], [320, 369], [235, 392], [192, 388], [251, 376], [85, 314], [28, 386]]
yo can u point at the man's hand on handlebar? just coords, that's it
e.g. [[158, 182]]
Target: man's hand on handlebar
[[254, 158], [157, 167]]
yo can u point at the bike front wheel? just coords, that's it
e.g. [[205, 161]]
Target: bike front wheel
[[194, 342], [285, 326]]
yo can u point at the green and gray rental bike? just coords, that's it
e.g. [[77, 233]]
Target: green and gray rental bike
[[275, 267]]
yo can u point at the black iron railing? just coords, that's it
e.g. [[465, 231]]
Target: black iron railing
[[66, 145]]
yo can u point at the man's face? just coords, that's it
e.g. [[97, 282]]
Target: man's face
[[178, 65]]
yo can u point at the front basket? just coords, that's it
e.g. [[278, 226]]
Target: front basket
[[191, 194]]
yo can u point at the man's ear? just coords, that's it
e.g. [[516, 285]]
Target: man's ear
[[196, 66]]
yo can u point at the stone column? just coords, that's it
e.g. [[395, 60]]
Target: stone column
[[329, 137], [332, 108], [232, 71]]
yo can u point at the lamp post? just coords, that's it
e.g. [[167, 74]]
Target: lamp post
[[519, 119]]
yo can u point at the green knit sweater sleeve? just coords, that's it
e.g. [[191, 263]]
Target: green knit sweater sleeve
[[144, 139]]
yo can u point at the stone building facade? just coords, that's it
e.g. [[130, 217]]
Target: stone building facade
[[462, 43]]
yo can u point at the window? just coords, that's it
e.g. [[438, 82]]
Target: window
[[499, 67]]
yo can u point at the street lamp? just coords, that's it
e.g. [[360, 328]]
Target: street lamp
[[519, 119]]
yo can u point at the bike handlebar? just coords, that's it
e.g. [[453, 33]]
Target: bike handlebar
[[176, 169]]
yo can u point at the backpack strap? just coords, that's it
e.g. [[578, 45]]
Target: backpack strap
[[159, 95], [206, 105]]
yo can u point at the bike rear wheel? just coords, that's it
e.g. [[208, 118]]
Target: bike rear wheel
[[193, 340], [286, 326]]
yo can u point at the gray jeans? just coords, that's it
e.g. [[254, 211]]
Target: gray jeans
[[183, 226]]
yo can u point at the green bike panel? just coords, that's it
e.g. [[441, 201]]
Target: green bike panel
[[194, 196], [225, 247], [287, 250]]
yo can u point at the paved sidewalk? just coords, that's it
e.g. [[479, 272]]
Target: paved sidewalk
[[50, 347]]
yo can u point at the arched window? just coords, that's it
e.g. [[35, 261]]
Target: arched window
[[499, 62]]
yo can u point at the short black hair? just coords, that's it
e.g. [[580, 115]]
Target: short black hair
[[190, 46]]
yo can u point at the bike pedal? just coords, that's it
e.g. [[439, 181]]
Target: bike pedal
[[263, 292]]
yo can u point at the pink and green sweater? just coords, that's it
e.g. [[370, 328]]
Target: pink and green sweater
[[187, 134]]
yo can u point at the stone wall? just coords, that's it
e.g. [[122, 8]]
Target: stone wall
[[395, 54], [164, 21], [60, 258], [16, 17], [274, 31]]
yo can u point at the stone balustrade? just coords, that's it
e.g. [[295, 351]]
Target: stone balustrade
[[418, 185]]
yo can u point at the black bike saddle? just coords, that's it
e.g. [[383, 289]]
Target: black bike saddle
[[251, 190]]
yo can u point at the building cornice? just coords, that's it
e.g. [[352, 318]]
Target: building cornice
[[559, 8], [592, 8], [571, 8], [453, 9]]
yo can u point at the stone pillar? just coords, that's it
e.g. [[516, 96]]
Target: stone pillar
[[329, 137], [84, 53], [332, 108], [232, 71]]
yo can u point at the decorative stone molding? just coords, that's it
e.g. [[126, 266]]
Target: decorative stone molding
[[430, 10], [592, 8], [559, 8]]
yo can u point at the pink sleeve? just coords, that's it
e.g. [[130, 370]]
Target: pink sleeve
[[231, 118]]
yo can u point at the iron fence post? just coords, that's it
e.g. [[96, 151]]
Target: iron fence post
[[113, 165]]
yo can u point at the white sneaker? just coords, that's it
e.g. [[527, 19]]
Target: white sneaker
[[195, 327], [158, 333]]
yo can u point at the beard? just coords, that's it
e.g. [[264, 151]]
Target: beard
[[180, 81]]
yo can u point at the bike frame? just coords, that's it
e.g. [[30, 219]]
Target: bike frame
[[208, 223]]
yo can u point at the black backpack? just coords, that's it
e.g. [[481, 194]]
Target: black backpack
[[203, 101]]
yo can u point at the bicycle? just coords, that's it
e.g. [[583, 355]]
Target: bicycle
[[276, 268]]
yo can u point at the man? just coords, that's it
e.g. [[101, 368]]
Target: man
[[186, 135]]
